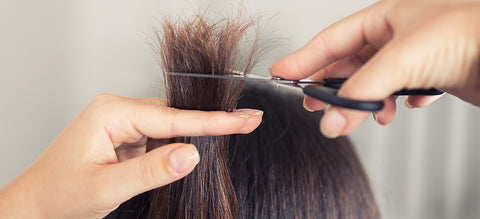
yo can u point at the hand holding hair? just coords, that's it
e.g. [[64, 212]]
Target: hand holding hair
[[99, 160], [388, 46]]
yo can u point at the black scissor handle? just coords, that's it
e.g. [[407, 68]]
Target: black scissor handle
[[338, 82], [431, 91], [328, 94]]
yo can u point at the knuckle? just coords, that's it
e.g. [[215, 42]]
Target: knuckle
[[330, 55], [104, 101], [204, 126], [105, 97], [173, 113]]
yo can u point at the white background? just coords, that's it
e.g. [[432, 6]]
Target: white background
[[56, 55]]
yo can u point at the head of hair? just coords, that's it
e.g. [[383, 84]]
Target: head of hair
[[284, 169]]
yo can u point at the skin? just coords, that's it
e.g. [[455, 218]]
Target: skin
[[391, 45], [99, 160]]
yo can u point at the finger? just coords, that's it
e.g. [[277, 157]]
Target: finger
[[338, 121], [338, 41], [134, 119], [377, 79], [469, 95], [420, 101], [343, 68], [390, 69], [340, 69], [151, 170], [311, 104], [164, 122], [387, 114], [341, 121], [408, 61]]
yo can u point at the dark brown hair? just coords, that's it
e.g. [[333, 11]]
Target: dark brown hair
[[284, 169], [204, 46]]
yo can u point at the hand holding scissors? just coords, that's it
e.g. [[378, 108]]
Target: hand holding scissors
[[389, 46]]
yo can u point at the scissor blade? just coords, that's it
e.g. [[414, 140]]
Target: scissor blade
[[232, 77]]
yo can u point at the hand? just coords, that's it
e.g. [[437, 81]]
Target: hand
[[80, 174], [388, 46]]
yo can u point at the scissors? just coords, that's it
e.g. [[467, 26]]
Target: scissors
[[325, 90]]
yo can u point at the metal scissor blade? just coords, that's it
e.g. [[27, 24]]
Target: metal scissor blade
[[235, 76]]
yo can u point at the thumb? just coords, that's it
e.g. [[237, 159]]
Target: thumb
[[385, 73], [154, 169], [389, 70]]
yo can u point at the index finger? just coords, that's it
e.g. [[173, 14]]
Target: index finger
[[166, 122], [338, 41], [126, 120]]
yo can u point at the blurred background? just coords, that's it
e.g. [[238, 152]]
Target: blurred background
[[56, 55]]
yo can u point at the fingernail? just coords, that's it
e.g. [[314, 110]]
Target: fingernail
[[306, 107], [183, 158], [333, 123], [247, 113], [408, 104]]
